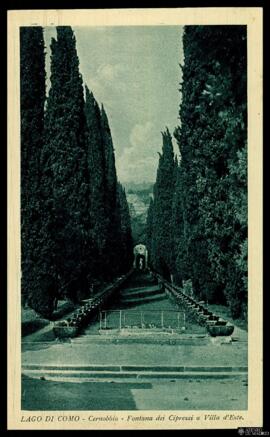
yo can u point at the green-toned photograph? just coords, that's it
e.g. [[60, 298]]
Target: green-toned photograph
[[134, 274]]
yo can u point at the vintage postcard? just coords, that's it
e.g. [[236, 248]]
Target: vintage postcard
[[135, 219]]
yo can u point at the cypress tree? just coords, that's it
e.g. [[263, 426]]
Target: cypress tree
[[178, 249], [32, 100], [65, 175], [99, 219], [162, 237], [110, 171], [113, 246], [149, 230], [211, 138], [126, 236], [110, 222]]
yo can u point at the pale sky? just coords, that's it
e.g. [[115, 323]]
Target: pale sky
[[134, 71]]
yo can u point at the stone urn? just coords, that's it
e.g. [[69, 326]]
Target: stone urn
[[220, 330]]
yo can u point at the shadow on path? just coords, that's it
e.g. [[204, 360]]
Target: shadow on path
[[57, 396]]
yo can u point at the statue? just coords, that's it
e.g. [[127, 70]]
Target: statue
[[140, 257]]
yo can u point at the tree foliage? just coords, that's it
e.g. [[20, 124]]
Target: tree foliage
[[68, 168], [98, 214], [32, 100], [160, 214], [210, 200], [65, 180], [126, 241]]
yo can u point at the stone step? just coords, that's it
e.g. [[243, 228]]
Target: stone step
[[151, 339], [81, 375], [141, 287], [141, 292], [131, 368], [141, 300]]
